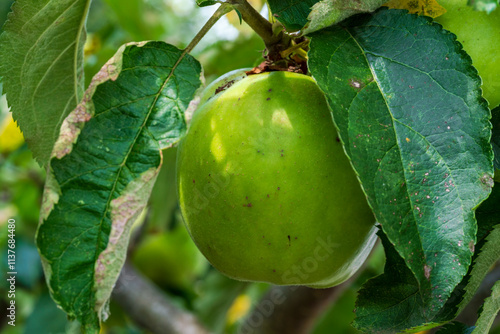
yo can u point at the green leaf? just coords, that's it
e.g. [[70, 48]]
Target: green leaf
[[488, 249], [327, 13], [495, 136], [489, 254], [204, 3], [484, 5], [42, 54], [313, 15], [394, 295], [486, 254], [103, 168], [239, 15], [489, 312], [291, 13], [408, 106]]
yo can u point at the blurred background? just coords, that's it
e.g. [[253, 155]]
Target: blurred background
[[162, 249]]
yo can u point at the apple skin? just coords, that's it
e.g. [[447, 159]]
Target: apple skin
[[225, 80], [170, 259], [479, 34], [265, 188]]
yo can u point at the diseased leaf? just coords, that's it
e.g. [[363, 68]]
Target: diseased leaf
[[327, 12], [291, 13], [408, 106], [103, 168], [42, 55], [429, 8], [489, 311], [484, 5], [312, 15]]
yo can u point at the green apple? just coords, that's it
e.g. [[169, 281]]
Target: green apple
[[479, 34], [265, 188], [222, 83], [170, 259]]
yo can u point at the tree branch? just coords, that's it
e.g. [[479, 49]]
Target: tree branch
[[149, 308], [259, 24], [291, 309], [274, 42]]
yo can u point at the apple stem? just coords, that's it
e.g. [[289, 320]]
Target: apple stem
[[220, 12], [257, 22]]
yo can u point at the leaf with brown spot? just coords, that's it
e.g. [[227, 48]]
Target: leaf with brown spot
[[418, 136], [422, 7]]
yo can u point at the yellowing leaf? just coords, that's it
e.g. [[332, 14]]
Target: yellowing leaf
[[239, 309], [421, 7], [10, 135], [92, 45]]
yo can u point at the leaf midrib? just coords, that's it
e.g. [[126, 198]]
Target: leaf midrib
[[153, 104]]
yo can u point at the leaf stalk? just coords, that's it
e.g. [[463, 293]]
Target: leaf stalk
[[220, 12]]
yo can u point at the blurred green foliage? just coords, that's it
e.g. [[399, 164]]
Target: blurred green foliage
[[112, 23]]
